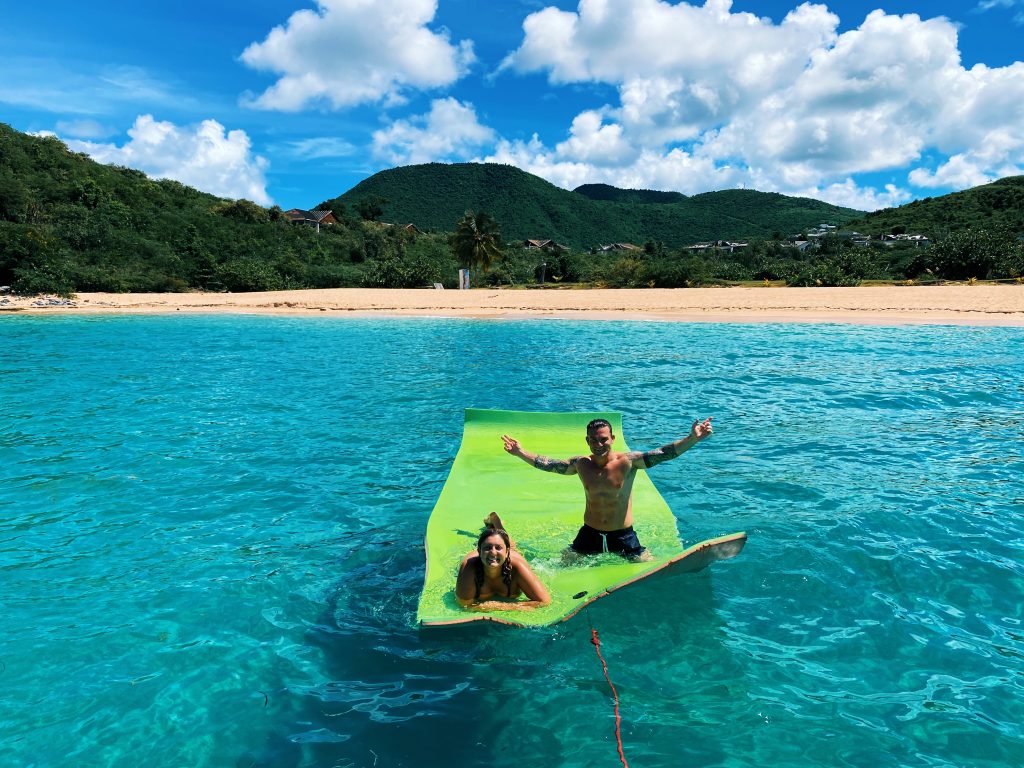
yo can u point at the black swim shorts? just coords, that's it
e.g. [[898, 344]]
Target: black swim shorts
[[590, 541]]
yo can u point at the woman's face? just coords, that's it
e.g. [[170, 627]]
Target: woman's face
[[492, 550]]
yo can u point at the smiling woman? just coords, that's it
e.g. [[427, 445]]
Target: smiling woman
[[494, 576]]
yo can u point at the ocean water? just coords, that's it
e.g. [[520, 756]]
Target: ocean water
[[211, 546]]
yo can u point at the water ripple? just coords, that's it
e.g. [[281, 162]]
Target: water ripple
[[211, 545]]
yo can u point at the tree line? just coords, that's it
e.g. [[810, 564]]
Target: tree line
[[68, 224]]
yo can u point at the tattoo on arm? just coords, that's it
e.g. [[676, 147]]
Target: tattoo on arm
[[658, 455], [561, 466]]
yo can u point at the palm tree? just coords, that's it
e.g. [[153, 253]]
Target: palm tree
[[477, 240]]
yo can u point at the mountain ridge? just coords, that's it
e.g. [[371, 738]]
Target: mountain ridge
[[434, 196]]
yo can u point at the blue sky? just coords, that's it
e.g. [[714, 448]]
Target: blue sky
[[866, 104]]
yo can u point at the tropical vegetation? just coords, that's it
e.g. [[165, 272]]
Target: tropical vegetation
[[527, 207], [69, 224]]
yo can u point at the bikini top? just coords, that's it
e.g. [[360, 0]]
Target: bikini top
[[479, 580]]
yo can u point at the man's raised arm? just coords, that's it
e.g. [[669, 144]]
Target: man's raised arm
[[699, 431], [561, 466]]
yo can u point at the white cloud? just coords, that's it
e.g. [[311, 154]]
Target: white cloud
[[320, 147], [202, 156], [52, 86], [710, 98], [84, 129], [675, 169], [593, 140], [849, 194], [987, 5], [350, 52], [675, 65], [449, 131]]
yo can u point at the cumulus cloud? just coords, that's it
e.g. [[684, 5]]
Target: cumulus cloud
[[679, 67], [711, 98], [676, 169], [350, 52], [450, 131], [593, 140], [204, 156]]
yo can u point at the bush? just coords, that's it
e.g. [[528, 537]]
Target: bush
[[626, 272], [243, 275], [687, 271], [1010, 262], [52, 276], [968, 253], [335, 276], [827, 272], [242, 210]]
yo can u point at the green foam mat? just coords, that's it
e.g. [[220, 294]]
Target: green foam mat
[[543, 512]]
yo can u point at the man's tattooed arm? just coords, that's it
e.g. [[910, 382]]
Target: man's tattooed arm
[[561, 466], [699, 431], [648, 459]]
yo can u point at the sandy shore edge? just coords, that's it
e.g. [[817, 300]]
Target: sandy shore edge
[[897, 305]]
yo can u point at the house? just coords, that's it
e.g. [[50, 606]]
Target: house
[[721, 245], [618, 247], [916, 240], [310, 218], [540, 245], [699, 247], [411, 228]]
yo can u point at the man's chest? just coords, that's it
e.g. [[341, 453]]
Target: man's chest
[[611, 477]]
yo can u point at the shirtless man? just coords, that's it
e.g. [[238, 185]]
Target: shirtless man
[[607, 479]]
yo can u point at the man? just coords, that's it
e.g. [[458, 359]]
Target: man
[[607, 479]]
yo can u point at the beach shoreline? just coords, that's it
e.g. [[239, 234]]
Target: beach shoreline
[[987, 305]]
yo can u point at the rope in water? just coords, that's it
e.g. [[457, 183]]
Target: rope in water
[[615, 696]]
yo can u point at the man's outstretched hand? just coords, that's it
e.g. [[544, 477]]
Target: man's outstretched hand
[[700, 429], [511, 445]]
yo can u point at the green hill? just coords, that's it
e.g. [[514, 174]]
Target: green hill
[[68, 223], [999, 205], [436, 195], [614, 194]]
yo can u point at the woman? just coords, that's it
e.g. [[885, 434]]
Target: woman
[[495, 575]]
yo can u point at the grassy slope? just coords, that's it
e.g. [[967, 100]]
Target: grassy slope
[[436, 195], [993, 206]]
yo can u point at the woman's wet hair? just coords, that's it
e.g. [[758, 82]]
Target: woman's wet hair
[[506, 567]]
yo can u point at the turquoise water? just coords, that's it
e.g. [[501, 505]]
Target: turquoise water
[[210, 546]]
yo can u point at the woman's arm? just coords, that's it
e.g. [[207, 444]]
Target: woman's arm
[[465, 584], [531, 586]]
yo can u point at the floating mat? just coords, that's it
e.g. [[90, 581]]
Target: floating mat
[[543, 511]]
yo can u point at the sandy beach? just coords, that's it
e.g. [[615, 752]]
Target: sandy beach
[[888, 305]]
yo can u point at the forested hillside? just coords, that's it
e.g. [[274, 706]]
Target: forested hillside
[[995, 206], [527, 207], [69, 224], [614, 194]]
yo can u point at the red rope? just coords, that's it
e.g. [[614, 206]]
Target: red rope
[[618, 720]]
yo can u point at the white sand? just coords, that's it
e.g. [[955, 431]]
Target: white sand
[[895, 305]]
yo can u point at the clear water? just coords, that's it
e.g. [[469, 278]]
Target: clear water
[[210, 546]]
